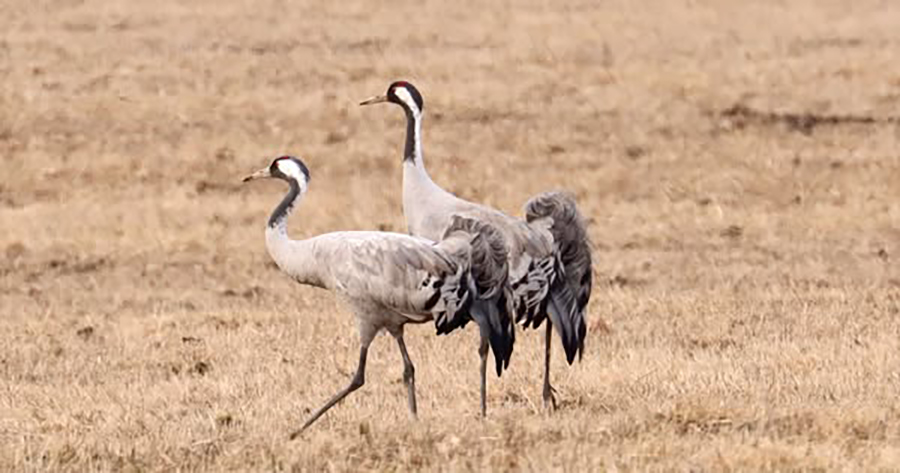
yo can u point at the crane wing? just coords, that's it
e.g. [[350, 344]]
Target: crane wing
[[483, 246], [570, 290], [411, 276]]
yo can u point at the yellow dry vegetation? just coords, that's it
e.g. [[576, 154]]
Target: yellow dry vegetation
[[739, 162]]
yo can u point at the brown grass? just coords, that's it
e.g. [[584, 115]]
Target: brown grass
[[739, 162]]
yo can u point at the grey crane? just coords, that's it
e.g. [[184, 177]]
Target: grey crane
[[549, 252], [389, 279]]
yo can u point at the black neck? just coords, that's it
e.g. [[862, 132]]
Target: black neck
[[409, 152], [287, 204]]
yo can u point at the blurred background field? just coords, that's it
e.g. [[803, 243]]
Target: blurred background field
[[739, 163]]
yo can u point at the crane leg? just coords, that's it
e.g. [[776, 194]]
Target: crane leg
[[483, 353], [358, 380], [409, 374], [549, 398]]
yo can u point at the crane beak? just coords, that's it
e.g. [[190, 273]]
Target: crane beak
[[375, 99], [261, 174]]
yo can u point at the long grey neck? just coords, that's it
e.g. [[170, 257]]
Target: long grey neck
[[423, 200], [413, 148], [278, 219], [294, 257]]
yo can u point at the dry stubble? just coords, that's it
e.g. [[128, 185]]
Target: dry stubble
[[739, 164]]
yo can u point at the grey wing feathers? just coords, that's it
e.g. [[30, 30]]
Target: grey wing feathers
[[410, 276], [530, 261], [491, 307], [451, 298], [531, 289], [447, 286], [570, 291], [489, 254]]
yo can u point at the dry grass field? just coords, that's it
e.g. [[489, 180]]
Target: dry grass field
[[739, 162]]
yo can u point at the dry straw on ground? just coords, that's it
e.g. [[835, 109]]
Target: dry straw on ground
[[739, 162]]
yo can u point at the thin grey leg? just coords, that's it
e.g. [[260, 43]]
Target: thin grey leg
[[358, 380], [549, 398], [409, 375], [483, 352]]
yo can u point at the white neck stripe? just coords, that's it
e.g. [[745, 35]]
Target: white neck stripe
[[404, 96]]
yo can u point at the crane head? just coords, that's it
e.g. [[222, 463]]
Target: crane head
[[401, 93], [286, 168]]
